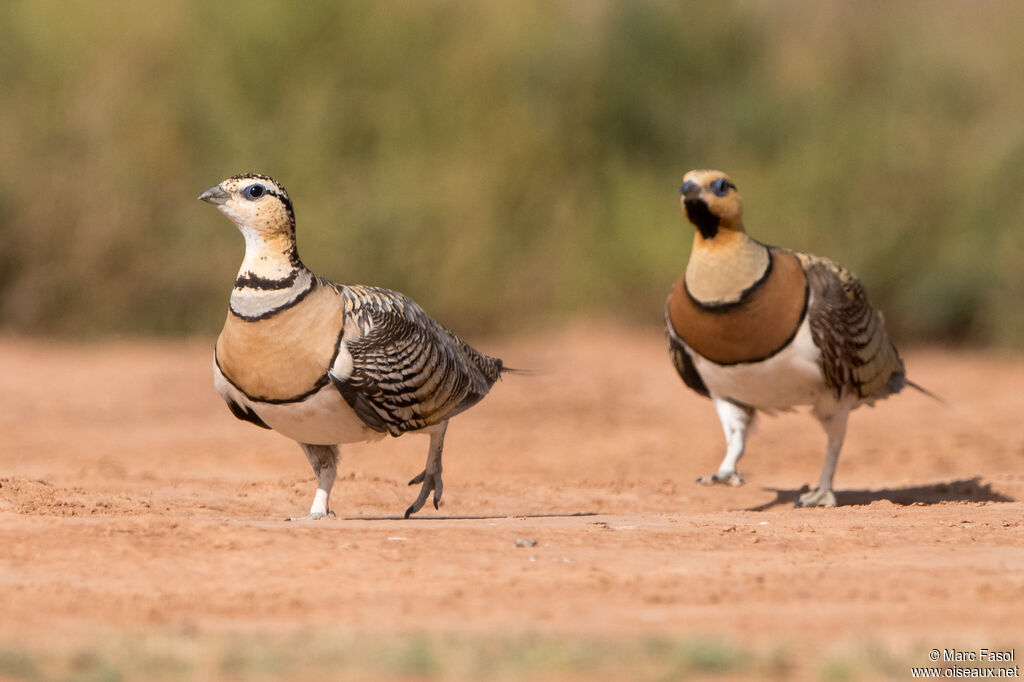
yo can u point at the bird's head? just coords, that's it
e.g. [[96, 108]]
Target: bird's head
[[254, 203], [711, 202]]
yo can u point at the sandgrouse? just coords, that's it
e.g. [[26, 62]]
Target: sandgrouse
[[758, 327], [325, 363]]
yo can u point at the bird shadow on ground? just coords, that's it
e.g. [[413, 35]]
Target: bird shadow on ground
[[963, 490], [485, 517]]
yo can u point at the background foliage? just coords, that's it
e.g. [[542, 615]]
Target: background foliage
[[508, 164]]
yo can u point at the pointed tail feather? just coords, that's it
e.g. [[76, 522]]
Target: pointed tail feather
[[521, 372], [922, 389]]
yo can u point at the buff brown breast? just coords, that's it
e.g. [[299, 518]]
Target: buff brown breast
[[325, 363]]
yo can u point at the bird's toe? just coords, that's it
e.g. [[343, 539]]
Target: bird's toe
[[817, 498], [722, 478], [431, 483], [313, 516], [438, 489]]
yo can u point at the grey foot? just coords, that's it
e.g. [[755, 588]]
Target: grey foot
[[313, 516], [430, 482], [732, 478], [817, 498]]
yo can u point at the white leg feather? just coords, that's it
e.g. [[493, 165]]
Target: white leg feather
[[324, 460], [737, 424], [834, 422]]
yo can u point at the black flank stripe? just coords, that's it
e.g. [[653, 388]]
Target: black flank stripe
[[246, 414], [337, 343]]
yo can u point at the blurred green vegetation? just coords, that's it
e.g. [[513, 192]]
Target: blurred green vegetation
[[330, 653], [508, 164]]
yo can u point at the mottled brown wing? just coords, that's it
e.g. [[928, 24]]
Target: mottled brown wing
[[409, 372], [856, 353], [681, 358]]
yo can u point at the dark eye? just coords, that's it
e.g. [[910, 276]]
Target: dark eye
[[721, 187], [255, 191]]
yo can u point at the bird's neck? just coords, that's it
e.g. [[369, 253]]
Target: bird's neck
[[722, 268], [271, 276], [269, 257]]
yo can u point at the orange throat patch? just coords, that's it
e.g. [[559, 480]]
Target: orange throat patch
[[753, 328]]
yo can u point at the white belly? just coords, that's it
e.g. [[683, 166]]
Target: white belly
[[323, 418], [790, 378]]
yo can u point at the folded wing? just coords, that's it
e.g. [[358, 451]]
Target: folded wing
[[409, 372]]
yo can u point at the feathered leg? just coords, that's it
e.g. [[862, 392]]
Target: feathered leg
[[430, 477], [736, 423], [324, 460], [834, 424]]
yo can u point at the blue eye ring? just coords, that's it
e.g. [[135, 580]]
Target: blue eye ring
[[254, 191], [721, 186]]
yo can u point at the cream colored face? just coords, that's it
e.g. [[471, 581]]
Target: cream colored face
[[253, 202], [711, 191]]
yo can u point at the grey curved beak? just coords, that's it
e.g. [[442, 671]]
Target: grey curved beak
[[214, 195], [689, 190]]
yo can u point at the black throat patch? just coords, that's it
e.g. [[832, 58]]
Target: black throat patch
[[699, 214]]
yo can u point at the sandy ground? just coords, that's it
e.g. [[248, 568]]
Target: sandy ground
[[131, 501]]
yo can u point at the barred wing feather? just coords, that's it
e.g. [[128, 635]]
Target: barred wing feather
[[409, 372], [857, 354]]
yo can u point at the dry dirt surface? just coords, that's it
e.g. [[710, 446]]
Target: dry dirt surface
[[142, 531]]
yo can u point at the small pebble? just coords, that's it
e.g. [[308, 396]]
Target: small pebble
[[526, 543]]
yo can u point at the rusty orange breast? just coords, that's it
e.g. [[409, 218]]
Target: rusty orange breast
[[753, 328]]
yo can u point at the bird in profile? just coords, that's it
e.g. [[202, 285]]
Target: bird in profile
[[762, 328], [326, 364]]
